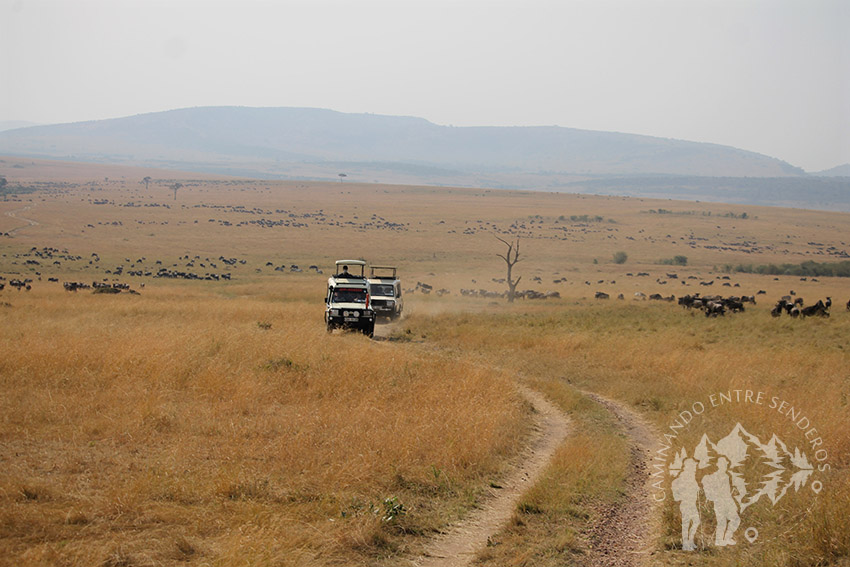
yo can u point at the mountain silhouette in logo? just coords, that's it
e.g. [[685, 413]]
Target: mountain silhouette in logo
[[756, 469]]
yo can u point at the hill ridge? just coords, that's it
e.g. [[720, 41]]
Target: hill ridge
[[287, 134]]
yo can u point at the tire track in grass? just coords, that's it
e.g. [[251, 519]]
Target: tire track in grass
[[13, 215], [626, 532], [459, 545], [625, 535]]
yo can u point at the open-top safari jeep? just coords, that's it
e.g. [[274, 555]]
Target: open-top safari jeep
[[348, 301]]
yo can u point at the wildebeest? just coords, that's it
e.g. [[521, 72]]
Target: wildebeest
[[74, 286], [818, 308], [601, 295], [21, 284], [785, 304], [714, 308], [423, 287]]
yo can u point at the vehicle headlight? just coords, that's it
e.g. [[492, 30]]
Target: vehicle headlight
[[334, 312]]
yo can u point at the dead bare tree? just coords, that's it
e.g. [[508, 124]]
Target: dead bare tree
[[511, 258]]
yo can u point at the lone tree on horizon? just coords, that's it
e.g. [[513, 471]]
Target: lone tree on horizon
[[147, 180], [511, 257], [175, 187]]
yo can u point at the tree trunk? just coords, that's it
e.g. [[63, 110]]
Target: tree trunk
[[510, 260]]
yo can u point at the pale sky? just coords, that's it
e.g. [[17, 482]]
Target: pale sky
[[770, 76]]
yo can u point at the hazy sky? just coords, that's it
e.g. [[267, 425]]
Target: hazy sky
[[769, 76]]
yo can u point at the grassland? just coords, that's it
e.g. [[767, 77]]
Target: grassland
[[661, 360], [187, 426], [214, 422]]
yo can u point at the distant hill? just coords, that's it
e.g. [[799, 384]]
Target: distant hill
[[315, 144], [839, 171], [231, 135], [12, 124]]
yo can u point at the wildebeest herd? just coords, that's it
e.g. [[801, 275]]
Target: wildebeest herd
[[714, 305], [796, 308]]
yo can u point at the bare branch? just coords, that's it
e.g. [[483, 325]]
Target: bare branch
[[510, 260]]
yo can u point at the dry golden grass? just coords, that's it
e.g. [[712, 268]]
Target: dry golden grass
[[174, 427], [171, 426], [661, 359]]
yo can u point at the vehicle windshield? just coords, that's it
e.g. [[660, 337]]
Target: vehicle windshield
[[345, 295], [383, 290]]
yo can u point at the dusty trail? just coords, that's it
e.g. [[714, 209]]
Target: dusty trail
[[625, 535], [459, 545], [13, 214]]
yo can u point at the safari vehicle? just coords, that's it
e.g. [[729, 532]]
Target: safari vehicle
[[385, 289], [347, 304]]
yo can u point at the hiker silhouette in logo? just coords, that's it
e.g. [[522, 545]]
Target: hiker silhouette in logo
[[685, 491], [718, 489]]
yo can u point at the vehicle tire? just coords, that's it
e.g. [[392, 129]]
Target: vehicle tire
[[331, 327], [369, 330]]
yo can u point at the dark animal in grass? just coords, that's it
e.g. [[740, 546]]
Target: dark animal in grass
[[715, 308], [818, 309]]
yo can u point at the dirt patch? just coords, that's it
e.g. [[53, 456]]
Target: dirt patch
[[625, 535]]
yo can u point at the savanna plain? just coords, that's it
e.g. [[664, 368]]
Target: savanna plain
[[202, 415]]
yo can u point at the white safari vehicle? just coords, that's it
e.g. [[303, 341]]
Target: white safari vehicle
[[348, 302], [385, 289]]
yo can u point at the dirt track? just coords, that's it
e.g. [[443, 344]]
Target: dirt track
[[624, 536], [13, 214], [459, 545]]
